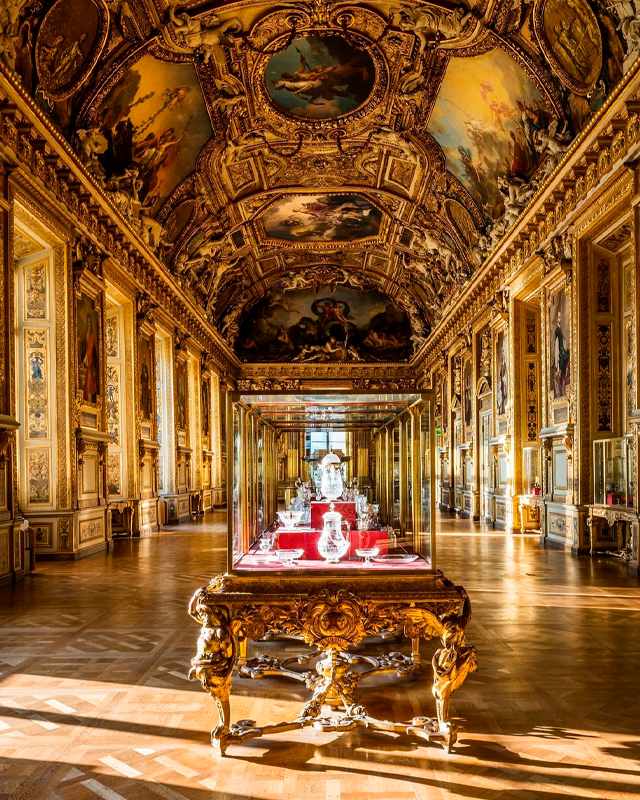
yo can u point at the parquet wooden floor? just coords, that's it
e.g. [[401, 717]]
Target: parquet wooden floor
[[94, 702]]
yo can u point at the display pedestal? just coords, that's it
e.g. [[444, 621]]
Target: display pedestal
[[332, 616]]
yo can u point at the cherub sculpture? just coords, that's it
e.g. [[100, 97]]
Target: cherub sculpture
[[201, 34], [430, 25]]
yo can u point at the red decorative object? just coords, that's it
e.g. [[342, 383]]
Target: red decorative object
[[346, 510], [308, 541]]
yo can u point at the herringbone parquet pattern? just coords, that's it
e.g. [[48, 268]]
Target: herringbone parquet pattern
[[94, 701]]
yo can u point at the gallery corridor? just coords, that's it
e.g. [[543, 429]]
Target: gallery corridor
[[95, 701]]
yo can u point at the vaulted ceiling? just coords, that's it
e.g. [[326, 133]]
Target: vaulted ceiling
[[323, 176]]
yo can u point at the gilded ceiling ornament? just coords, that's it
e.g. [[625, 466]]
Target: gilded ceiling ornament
[[204, 35], [10, 11], [628, 13], [432, 26]]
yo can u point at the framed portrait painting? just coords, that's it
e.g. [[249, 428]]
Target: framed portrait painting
[[88, 348], [559, 345], [502, 373]]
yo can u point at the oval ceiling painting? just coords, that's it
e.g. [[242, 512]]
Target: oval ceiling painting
[[70, 41], [322, 218], [320, 76], [570, 38]]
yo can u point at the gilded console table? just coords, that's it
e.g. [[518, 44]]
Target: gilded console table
[[332, 615]]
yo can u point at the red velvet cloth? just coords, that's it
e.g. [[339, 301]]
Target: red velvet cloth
[[347, 510], [308, 541]]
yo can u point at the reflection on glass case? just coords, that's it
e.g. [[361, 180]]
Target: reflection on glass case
[[613, 472], [331, 525], [531, 470]]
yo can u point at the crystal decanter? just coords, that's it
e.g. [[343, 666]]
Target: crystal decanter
[[333, 544]]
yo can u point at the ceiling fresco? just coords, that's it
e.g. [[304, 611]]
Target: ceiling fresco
[[322, 176], [319, 77], [322, 218], [325, 323]]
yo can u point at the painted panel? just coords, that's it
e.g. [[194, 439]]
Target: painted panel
[[145, 355], [38, 471], [43, 535], [319, 76], [112, 340], [114, 484], [155, 123], [181, 396], [35, 291], [326, 217], [486, 126], [205, 404], [326, 324], [37, 369], [560, 344], [113, 403], [87, 327], [502, 368], [466, 393], [90, 530]]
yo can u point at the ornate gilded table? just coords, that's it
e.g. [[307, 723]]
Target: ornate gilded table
[[332, 615]]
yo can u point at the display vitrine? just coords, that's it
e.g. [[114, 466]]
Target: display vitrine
[[392, 531], [613, 472], [350, 556], [531, 471]]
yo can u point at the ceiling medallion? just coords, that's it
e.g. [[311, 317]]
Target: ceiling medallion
[[70, 41], [569, 37]]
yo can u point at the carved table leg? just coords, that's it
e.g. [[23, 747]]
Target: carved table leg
[[215, 658], [451, 664]]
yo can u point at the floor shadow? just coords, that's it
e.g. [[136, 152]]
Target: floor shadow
[[100, 723], [45, 780], [460, 771]]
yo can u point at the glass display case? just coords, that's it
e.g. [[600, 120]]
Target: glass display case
[[613, 472], [531, 471], [331, 526]]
